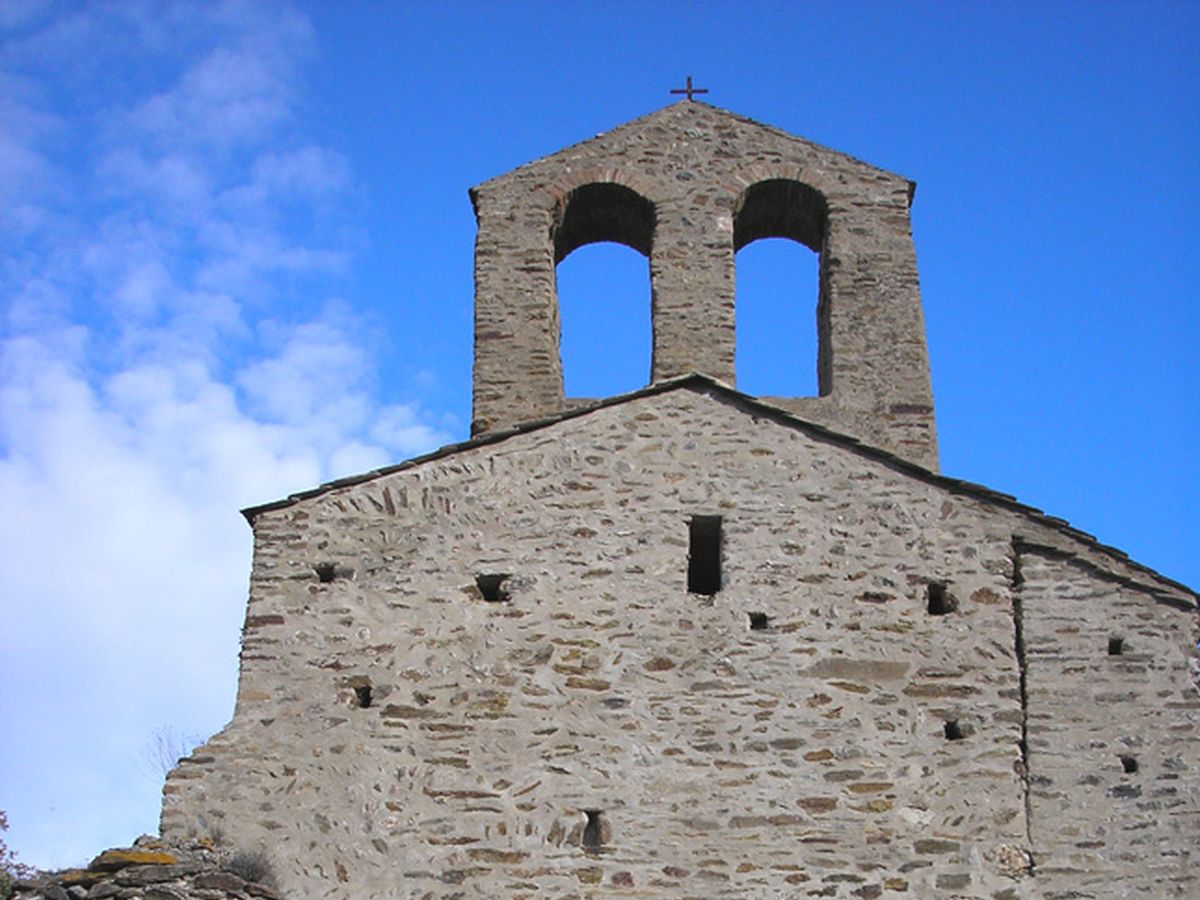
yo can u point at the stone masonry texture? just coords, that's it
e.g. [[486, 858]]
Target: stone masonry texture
[[688, 643], [688, 186], [808, 758]]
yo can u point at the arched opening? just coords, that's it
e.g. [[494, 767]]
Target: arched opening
[[602, 239], [778, 235]]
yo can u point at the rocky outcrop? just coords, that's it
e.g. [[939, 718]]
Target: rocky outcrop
[[153, 869]]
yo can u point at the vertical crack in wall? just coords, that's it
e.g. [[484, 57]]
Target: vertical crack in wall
[[1018, 614]]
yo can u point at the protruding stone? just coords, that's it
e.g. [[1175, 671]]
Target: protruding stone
[[111, 860]]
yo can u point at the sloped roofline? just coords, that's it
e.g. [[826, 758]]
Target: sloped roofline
[[640, 121], [706, 384]]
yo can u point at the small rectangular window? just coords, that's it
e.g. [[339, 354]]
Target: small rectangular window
[[704, 555], [938, 599]]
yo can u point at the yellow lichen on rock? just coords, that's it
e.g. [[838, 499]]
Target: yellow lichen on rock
[[119, 859]]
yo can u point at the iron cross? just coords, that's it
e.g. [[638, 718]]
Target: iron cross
[[689, 90]]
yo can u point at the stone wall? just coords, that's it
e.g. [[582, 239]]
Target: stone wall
[[688, 186], [848, 715], [1114, 726]]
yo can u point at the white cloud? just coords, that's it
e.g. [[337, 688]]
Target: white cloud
[[398, 427], [301, 384], [309, 172], [175, 182], [157, 372]]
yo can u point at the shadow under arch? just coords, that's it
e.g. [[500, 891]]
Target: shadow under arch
[[603, 211], [790, 209], [780, 207]]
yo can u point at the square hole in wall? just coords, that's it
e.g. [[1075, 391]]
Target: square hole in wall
[[957, 730], [1116, 646], [492, 586], [938, 599], [759, 621], [362, 695]]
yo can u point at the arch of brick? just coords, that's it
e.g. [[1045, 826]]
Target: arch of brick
[[688, 186]]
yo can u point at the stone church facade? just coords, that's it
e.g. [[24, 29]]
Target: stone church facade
[[689, 643]]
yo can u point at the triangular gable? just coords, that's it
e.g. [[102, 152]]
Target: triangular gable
[[757, 408], [673, 122]]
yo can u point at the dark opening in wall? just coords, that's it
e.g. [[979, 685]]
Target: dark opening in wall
[[1116, 646], [1129, 764], [955, 730], [361, 694], [704, 555], [760, 621], [326, 572], [593, 831], [939, 601], [603, 211], [492, 586]]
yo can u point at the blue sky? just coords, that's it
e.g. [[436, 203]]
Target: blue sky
[[235, 261]]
